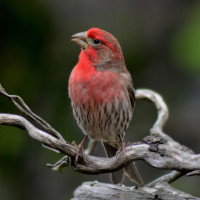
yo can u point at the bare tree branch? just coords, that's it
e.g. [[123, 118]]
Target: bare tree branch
[[168, 178], [28, 112], [161, 106], [91, 147], [166, 157], [161, 191], [158, 150]]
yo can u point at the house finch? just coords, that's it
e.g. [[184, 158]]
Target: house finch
[[102, 94]]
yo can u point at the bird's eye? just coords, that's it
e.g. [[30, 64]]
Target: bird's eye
[[97, 41]]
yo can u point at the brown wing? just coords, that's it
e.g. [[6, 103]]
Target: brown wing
[[129, 86], [131, 96]]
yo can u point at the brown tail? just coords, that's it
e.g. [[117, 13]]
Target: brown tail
[[117, 176], [130, 170], [133, 174]]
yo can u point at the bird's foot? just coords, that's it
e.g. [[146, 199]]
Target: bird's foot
[[122, 149], [80, 151]]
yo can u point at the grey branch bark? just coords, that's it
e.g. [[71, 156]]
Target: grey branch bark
[[163, 157], [158, 149], [161, 191]]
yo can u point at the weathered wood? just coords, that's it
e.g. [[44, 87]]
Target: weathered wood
[[158, 150], [103, 191]]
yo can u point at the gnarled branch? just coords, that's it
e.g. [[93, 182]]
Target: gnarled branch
[[164, 157], [158, 150], [161, 191]]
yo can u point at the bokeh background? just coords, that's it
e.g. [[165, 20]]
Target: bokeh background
[[161, 44]]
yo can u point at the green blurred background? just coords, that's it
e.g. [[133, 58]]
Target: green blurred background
[[161, 45]]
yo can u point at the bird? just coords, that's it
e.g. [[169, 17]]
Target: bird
[[102, 95]]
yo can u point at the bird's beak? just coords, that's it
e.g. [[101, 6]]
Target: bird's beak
[[80, 39]]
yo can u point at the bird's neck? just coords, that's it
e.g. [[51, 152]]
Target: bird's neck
[[89, 65], [84, 64]]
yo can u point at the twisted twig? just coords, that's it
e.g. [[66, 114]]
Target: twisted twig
[[163, 154]]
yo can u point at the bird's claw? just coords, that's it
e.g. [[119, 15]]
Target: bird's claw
[[122, 149], [80, 151]]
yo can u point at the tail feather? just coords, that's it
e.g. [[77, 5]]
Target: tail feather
[[130, 170], [117, 176], [133, 174]]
